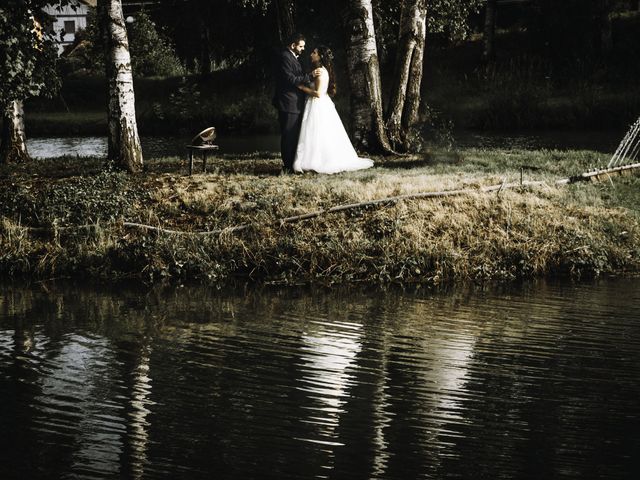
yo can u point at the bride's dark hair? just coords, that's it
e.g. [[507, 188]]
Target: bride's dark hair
[[326, 60]]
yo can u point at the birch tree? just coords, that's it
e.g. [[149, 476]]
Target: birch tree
[[370, 130], [27, 69], [367, 122], [13, 147], [405, 95], [124, 149]]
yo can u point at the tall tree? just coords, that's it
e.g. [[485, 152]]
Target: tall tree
[[285, 16], [488, 51], [13, 147], [124, 150], [370, 131], [367, 122], [405, 95], [603, 12], [27, 69]]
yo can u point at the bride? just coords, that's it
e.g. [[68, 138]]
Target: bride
[[324, 145]]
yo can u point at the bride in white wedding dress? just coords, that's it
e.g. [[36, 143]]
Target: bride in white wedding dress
[[323, 145]]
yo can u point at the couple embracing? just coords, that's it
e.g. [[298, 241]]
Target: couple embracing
[[312, 135]]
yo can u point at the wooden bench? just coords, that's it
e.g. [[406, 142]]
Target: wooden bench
[[203, 143]]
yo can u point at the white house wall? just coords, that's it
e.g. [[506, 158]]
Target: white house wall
[[67, 14]]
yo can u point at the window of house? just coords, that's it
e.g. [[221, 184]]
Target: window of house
[[69, 26]]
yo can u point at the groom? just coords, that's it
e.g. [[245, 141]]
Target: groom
[[289, 99]]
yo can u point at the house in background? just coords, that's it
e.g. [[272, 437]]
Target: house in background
[[66, 21]]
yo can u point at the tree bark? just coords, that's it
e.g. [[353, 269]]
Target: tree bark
[[405, 99], [285, 16], [13, 144], [205, 47], [367, 122], [488, 52], [606, 37], [124, 150]]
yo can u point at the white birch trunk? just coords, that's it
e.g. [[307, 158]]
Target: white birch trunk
[[13, 144], [367, 123], [124, 143], [405, 99]]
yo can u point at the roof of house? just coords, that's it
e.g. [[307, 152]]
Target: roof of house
[[91, 3]]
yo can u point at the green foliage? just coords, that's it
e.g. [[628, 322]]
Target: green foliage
[[27, 51], [151, 51], [79, 200], [451, 16]]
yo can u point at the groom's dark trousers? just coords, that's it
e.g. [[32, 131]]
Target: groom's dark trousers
[[289, 134], [289, 100]]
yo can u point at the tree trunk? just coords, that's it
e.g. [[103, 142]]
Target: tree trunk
[[124, 149], [13, 144], [205, 47], [367, 123], [606, 38], [488, 52], [405, 99], [285, 15]]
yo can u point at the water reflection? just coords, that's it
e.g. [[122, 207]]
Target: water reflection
[[152, 147], [157, 147], [532, 382]]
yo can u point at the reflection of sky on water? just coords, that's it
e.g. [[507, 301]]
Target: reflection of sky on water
[[67, 146], [152, 147]]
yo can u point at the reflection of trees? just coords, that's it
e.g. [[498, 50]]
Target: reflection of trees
[[65, 386], [342, 384], [540, 374]]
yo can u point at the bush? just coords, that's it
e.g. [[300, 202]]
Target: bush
[[151, 51]]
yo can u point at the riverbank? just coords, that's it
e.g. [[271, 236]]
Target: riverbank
[[67, 218]]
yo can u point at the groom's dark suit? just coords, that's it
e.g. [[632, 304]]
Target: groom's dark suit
[[289, 100]]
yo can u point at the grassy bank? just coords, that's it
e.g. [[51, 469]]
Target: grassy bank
[[65, 218]]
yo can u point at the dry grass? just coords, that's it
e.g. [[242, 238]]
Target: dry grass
[[587, 229]]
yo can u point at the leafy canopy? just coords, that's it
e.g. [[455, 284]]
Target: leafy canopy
[[27, 51]]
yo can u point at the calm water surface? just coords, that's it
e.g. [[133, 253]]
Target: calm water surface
[[156, 147], [537, 382]]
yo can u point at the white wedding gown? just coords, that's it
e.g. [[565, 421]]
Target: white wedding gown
[[324, 145]]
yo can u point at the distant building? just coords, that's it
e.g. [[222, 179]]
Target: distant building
[[68, 20]]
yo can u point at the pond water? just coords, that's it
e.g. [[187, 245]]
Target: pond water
[[156, 147], [537, 381], [152, 147]]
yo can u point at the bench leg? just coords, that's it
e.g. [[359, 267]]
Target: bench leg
[[190, 162], [204, 161]]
